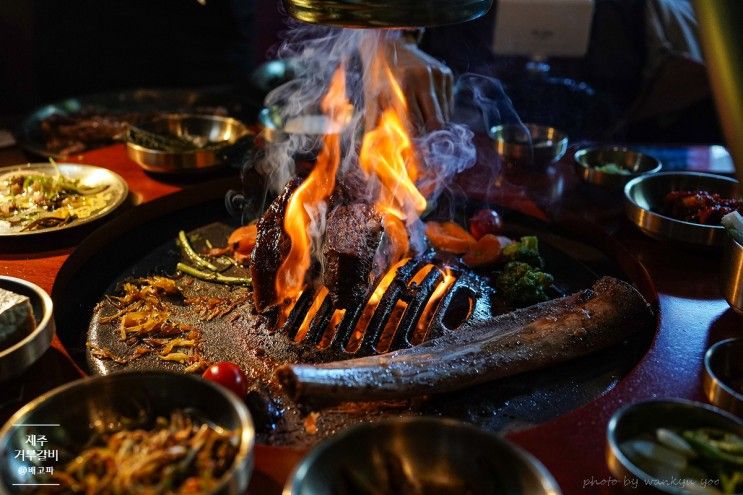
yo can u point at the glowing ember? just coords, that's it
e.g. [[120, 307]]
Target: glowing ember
[[427, 314]]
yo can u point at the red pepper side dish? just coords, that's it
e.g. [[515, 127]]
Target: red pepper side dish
[[699, 206]]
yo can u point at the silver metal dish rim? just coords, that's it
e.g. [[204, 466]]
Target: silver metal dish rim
[[243, 458], [182, 116], [42, 334], [632, 183], [583, 151], [711, 373], [611, 440], [120, 182], [298, 473]]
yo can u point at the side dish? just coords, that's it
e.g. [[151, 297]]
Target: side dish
[[35, 200], [177, 456], [699, 206]]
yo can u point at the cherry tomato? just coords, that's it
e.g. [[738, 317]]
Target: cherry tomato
[[230, 376], [484, 222]]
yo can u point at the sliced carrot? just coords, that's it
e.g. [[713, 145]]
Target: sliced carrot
[[487, 251], [449, 237], [242, 239]]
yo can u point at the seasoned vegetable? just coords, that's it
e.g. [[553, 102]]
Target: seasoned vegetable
[[487, 251], [522, 284], [177, 456], [449, 237], [526, 251], [35, 200], [707, 460]]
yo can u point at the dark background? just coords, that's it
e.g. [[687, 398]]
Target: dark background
[[50, 49]]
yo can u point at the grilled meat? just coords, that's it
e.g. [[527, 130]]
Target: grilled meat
[[352, 236], [526, 339], [272, 245]]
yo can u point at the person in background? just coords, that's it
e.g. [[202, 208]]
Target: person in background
[[643, 77]]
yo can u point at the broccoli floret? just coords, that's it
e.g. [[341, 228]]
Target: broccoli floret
[[525, 251], [522, 284]]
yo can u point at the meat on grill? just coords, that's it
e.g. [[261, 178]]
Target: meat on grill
[[353, 233], [526, 339], [272, 245]]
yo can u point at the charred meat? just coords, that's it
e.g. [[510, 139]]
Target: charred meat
[[272, 245], [352, 236]]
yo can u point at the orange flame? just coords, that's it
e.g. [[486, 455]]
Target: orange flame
[[315, 189], [387, 155], [441, 289]]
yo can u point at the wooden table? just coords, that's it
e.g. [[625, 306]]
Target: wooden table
[[692, 313]]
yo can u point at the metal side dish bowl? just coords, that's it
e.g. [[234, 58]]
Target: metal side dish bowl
[[613, 166], [419, 455], [19, 356], [179, 143], [644, 202], [527, 145], [84, 413], [662, 446], [731, 277], [723, 375]]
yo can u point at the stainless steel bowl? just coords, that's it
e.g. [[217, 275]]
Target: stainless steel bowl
[[386, 13], [645, 417], [644, 198], [208, 129], [732, 274], [529, 144], [588, 161], [275, 129], [441, 452], [723, 375], [70, 415], [16, 358]]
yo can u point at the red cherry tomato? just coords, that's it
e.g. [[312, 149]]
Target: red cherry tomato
[[230, 376], [485, 222]]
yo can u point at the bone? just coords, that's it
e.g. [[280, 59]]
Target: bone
[[527, 339]]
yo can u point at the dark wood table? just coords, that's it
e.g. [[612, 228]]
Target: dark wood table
[[693, 314]]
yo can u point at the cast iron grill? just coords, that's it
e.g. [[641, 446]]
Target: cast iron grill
[[402, 288]]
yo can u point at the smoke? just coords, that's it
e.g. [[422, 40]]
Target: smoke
[[317, 52], [480, 103]]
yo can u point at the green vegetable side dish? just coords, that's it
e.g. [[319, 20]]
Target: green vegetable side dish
[[707, 460], [522, 281], [612, 168], [34, 200], [210, 272]]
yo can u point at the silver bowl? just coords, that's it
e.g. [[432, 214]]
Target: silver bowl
[[441, 452], [588, 161], [644, 198], [221, 132], [645, 417], [529, 144], [731, 276], [16, 358], [275, 128], [723, 375], [70, 415]]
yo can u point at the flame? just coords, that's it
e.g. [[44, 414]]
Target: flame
[[305, 326], [313, 191], [441, 289], [387, 155]]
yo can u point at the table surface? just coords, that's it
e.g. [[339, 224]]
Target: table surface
[[693, 314]]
